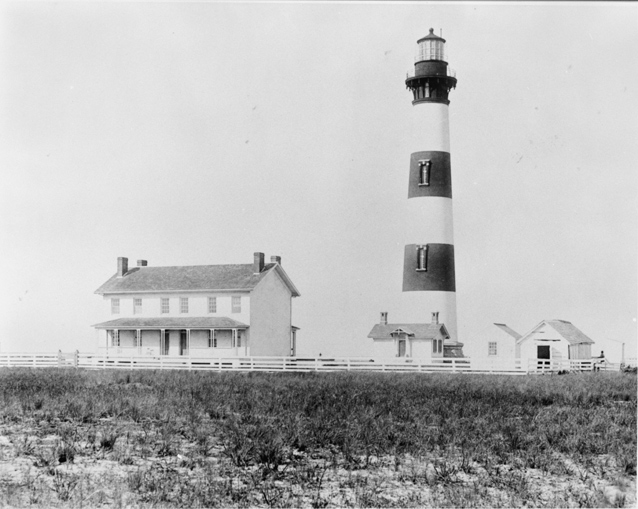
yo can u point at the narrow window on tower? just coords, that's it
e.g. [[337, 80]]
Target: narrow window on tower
[[427, 89], [425, 165], [422, 258]]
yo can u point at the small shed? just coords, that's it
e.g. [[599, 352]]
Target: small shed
[[554, 339]]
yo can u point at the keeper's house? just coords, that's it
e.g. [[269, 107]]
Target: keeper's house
[[416, 340], [199, 311]]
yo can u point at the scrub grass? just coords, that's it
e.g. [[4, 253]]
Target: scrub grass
[[75, 438]]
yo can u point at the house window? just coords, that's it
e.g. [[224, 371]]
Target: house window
[[422, 258], [212, 304], [437, 346], [183, 304], [115, 338], [491, 348], [236, 304], [424, 171], [115, 306], [212, 339], [165, 305], [137, 306]]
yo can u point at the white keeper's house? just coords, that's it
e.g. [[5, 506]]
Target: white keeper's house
[[417, 340], [237, 310]]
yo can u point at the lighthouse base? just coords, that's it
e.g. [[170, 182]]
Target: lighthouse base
[[453, 350]]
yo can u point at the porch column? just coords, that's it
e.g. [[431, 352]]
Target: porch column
[[139, 341], [234, 336], [117, 339], [108, 333], [162, 341], [188, 341]]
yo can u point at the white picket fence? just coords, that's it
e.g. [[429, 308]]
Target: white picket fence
[[298, 364]]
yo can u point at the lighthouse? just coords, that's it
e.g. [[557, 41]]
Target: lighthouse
[[429, 286]]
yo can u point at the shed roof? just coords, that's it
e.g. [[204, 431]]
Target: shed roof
[[508, 330], [567, 330], [206, 322], [417, 330], [192, 278], [570, 332]]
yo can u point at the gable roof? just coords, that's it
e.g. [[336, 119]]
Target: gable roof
[[508, 330], [206, 322], [417, 330], [567, 330], [192, 278]]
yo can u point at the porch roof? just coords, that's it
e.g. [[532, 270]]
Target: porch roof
[[205, 322]]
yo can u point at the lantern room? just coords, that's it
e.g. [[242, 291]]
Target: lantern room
[[431, 80], [430, 47]]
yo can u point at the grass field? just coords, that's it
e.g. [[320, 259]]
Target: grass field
[[74, 438]]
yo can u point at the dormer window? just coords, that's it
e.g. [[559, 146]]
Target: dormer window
[[424, 172], [422, 258]]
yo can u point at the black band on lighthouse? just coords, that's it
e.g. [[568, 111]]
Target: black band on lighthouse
[[439, 178], [439, 275]]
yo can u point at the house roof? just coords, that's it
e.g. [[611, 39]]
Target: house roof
[[192, 278], [418, 330], [508, 330], [206, 322], [567, 330]]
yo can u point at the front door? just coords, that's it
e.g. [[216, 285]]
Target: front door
[[401, 347], [543, 353], [183, 343]]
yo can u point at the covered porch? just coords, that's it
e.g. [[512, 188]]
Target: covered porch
[[174, 337]]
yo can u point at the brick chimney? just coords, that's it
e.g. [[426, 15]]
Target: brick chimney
[[384, 318], [122, 266], [142, 263], [258, 264], [275, 259], [435, 317]]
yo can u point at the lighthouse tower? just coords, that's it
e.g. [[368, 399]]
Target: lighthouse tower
[[428, 269]]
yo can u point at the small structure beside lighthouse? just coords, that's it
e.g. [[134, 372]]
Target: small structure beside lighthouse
[[429, 285]]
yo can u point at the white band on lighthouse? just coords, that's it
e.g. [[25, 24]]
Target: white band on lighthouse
[[429, 219], [430, 127]]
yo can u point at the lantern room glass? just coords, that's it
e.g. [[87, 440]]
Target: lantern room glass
[[431, 49]]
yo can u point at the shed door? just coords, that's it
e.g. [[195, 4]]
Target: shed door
[[543, 352]]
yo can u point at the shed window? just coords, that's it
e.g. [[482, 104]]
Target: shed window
[[422, 258], [424, 171], [437, 346], [491, 348]]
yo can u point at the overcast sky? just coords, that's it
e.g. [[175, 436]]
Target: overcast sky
[[198, 133]]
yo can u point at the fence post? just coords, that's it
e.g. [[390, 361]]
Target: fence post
[[59, 358], [76, 356]]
